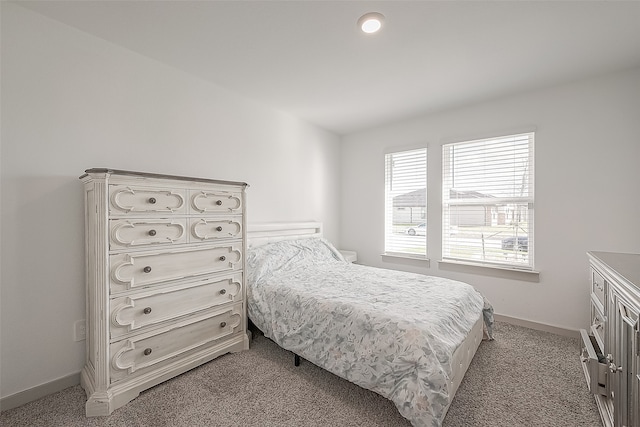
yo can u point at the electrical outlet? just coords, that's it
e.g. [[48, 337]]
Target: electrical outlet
[[79, 330]]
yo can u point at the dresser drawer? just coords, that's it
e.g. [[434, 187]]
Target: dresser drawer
[[204, 201], [146, 351], [594, 364], [208, 229], [131, 313], [598, 325], [597, 285], [137, 270], [127, 233], [126, 199]]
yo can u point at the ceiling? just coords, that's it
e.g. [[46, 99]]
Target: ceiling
[[309, 59]]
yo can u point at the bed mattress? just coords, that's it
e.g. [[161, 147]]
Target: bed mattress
[[398, 334]]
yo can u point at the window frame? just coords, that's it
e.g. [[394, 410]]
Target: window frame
[[390, 239], [476, 199]]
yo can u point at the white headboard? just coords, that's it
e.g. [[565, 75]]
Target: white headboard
[[259, 234]]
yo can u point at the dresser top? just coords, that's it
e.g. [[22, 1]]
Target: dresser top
[[158, 176], [626, 265]]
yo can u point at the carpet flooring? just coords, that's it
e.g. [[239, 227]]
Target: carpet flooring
[[522, 378]]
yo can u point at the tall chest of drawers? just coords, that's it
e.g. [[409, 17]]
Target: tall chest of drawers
[[165, 286]]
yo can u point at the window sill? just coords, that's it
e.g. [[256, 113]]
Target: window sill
[[489, 270], [397, 258]]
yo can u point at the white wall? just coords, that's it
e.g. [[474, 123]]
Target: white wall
[[587, 189], [70, 102]]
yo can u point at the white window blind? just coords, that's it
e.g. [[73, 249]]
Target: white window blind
[[488, 201], [406, 203]]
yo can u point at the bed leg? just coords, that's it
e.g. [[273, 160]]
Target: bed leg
[[296, 360]]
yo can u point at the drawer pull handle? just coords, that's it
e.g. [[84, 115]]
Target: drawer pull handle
[[152, 200], [218, 228], [152, 232], [223, 291], [222, 258], [219, 203], [223, 324], [147, 269], [147, 310], [147, 351]]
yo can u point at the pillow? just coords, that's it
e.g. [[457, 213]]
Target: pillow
[[268, 259]]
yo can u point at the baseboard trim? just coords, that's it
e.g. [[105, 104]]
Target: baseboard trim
[[537, 326], [35, 393]]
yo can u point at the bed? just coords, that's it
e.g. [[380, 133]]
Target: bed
[[408, 337]]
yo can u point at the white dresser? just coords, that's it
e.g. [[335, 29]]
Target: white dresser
[[165, 288], [611, 346]]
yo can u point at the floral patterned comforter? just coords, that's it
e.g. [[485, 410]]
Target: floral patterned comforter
[[388, 331]]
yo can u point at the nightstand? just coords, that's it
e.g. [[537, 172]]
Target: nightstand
[[349, 256]]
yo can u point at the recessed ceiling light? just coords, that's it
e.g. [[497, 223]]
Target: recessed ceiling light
[[370, 22]]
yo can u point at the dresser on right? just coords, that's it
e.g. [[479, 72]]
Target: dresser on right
[[611, 347]]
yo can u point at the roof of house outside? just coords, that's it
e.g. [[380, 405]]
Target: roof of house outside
[[417, 198]]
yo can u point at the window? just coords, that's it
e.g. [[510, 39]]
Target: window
[[487, 199], [406, 203]]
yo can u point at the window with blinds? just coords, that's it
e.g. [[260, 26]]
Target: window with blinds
[[405, 227], [487, 206]]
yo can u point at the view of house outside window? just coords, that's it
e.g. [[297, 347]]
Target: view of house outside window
[[488, 201], [406, 203]]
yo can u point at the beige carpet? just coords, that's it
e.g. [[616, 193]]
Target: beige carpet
[[523, 378]]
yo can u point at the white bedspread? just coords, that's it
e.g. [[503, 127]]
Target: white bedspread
[[388, 331]]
